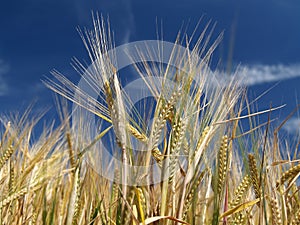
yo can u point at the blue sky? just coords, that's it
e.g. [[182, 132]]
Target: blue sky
[[39, 35]]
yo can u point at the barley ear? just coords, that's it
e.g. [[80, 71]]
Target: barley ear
[[13, 197], [157, 155], [77, 205], [141, 203], [239, 218], [178, 134], [275, 210], [127, 213], [296, 220], [289, 174], [138, 135], [254, 175], [71, 151], [202, 136], [164, 113], [240, 191], [191, 194], [6, 155], [5, 134], [222, 163], [74, 198]]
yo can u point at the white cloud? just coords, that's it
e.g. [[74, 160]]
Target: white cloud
[[120, 11], [3, 85], [259, 74], [292, 126]]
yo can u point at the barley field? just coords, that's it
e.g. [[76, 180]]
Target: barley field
[[192, 162]]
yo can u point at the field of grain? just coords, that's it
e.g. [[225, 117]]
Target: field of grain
[[212, 170]]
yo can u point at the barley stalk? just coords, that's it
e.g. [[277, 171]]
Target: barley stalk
[[127, 214], [6, 155], [191, 194], [254, 175], [117, 114], [13, 197], [186, 147], [11, 183], [239, 219], [73, 201], [206, 201], [138, 135], [222, 163], [5, 133], [203, 135], [178, 130], [289, 174], [112, 110], [188, 195], [276, 215], [240, 191], [157, 155], [296, 220], [162, 117], [77, 203], [178, 134], [71, 151], [142, 205]]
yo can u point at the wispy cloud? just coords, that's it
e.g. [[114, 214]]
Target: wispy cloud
[[3, 85], [292, 126], [119, 12], [259, 74]]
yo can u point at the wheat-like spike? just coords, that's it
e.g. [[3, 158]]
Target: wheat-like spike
[[73, 198], [93, 211], [115, 186], [186, 147], [238, 219], [127, 214], [157, 155], [117, 112], [6, 155], [222, 159], [13, 197], [33, 218], [112, 110], [142, 199], [33, 209], [171, 115], [114, 113], [77, 200], [109, 96], [138, 135], [115, 193], [102, 213], [203, 135], [295, 189], [178, 134], [11, 182], [296, 220], [162, 117], [142, 204], [240, 191], [276, 216], [160, 123], [71, 151], [289, 174], [254, 175], [191, 194], [5, 133]]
